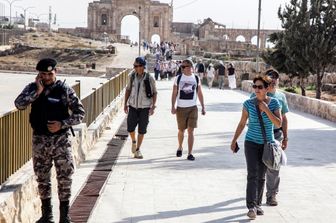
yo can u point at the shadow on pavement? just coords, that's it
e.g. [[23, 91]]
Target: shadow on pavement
[[219, 207], [224, 107]]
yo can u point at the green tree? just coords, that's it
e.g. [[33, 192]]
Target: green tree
[[322, 38], [307, 43]]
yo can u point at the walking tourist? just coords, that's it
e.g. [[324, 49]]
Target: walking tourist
[[220, 74], [140, 100], [232, 77], [210, 74], [280, 134], [187, 88], [200, 69], [254, 141]]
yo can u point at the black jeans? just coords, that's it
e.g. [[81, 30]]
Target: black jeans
[[256, 171]]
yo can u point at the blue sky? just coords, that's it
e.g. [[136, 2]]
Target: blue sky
[[237, 13]]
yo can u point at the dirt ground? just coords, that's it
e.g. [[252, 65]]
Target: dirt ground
[[325, 96], [57, 40], [57, 46]]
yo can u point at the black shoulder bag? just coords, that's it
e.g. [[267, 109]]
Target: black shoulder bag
[[272, 151]]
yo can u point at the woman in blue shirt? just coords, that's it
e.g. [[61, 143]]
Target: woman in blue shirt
[[254, 142]]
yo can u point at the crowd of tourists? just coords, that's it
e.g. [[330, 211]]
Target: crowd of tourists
[[51, 100]]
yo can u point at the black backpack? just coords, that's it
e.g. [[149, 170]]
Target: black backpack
[[148, 88], [179, 79]]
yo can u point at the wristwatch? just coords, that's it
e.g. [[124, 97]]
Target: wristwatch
[[285, 139]]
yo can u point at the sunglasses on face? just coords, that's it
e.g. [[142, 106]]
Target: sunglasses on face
[[184, 66], [135, 66], [258, 86]]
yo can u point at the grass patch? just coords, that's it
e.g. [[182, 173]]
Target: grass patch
[[294, 90]]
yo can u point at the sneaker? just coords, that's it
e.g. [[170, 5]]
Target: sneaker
[[191, 157], [179, 153], [134, 147], [252, 214], [260, 211], [138, 155], [272, 201]]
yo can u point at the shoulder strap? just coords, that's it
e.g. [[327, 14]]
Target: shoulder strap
[[132, 79], [148, 87], [260, 120], [178, 80]]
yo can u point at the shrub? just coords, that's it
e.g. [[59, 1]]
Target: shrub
[[291, 90]]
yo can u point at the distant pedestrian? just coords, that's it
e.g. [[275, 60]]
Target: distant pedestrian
[[232, 77], [140, 99], [157, 69], [187, 88], [210, 74], [220, 75], [50, 120], [254, 140], [200, 69]]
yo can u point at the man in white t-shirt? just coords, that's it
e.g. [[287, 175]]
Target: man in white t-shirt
[[187, 87]]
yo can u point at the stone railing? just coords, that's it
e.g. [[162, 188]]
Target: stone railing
[[320, 108]]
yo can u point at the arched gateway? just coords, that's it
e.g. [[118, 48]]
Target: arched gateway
[[105, 16]]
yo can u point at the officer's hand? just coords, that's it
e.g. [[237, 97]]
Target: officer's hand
[[126, 109], [38, 81], [54, 126]]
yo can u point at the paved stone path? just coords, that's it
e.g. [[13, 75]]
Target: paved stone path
[[164, 188]]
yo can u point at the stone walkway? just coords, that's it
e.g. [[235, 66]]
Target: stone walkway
[[164, 188]]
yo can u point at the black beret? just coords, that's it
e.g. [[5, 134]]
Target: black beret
[[46, 65]]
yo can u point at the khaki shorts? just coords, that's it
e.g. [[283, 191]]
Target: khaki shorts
[[186, 117]]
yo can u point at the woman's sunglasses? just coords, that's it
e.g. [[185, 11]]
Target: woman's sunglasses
[[258, 86], [183, 66]]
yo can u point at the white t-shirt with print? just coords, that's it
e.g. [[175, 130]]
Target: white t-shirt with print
[[187, 93]]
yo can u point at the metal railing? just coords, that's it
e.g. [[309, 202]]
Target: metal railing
[[15, 142], [95, 103], [16, 133]]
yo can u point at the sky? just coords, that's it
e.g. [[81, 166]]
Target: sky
[[232, 13]]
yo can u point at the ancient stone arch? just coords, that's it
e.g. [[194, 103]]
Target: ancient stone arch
[[106, 16], [248, 34]]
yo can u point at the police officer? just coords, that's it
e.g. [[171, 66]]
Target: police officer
[[50, 119]]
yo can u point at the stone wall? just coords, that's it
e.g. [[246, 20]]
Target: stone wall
[[19, 200], [323, 109]]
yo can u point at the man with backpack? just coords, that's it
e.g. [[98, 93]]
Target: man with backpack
[[187, 87], [140, 99]]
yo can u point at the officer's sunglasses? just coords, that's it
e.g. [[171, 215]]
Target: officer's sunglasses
[[136, 66], [184, 66]]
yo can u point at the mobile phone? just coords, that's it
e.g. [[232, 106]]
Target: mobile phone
[[236, 148]]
